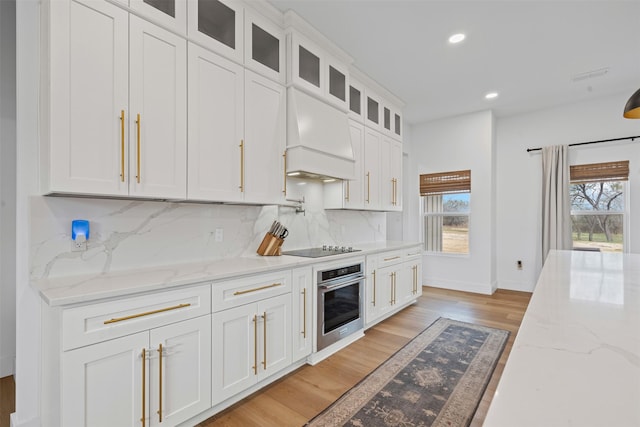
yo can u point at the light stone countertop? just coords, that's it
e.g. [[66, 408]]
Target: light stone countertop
[[576, 359], [87, 288]]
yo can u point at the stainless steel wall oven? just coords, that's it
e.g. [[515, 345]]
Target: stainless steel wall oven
[[340, 303]]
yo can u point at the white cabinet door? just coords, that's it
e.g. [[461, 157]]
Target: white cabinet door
[[103, 384], [265, 138], [391, 174], [235, 351], [216, 127], [158, 105], [217, 25], [274, 342], [374, 305], [302, 311], [307, 64], [180, 380], [85, 151], [372, 145], [168, 13], [354, 189]]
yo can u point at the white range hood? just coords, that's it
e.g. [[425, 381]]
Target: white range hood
[[318, 139]]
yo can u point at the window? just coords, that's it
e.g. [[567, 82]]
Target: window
[[446, 207], [597, 193]]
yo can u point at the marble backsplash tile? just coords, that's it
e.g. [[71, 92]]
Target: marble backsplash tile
[[133, 234]]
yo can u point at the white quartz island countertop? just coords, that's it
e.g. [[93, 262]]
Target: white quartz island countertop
[[576, 359], [85, 288]]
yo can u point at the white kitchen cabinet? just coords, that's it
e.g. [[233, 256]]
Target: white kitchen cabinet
[[264, 50], [216, 127], [106, 68], [236, 132], [102, 384], [302, 313], [115, 382], [264, 179], [171, 14], [84, 147], [217, 25], [158, 112], [371, 169], [250, 343], [104, 378], [317, 72], [349, 194], [393, 282], [390, 174]]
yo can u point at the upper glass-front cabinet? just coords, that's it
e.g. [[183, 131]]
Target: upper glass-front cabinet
[[337, 83], [356, 101], [372, 116], [217, 24], [264, 50], [169, 13]]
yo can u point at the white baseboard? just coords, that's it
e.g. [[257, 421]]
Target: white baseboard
[[7, 366], [13, 421], [478, 288], [516, 285]]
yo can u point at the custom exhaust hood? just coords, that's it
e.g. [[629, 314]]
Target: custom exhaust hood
[[318, 139]]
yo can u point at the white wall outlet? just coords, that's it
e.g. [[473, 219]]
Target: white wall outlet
[[79, 245], [219, 235], [519, 265]]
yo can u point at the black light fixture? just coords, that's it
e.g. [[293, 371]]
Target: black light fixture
[[632, 109]]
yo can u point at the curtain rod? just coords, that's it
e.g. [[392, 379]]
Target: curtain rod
[[590, 142]]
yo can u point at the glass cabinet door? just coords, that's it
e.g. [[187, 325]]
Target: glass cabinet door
[[308, 66], [218, 25], [397, 128], [337, 84], [169, 13], [264, 46], [386, 119], [356, 100], [373, 111]]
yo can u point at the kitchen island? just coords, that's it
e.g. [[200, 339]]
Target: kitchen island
[[576, 359]]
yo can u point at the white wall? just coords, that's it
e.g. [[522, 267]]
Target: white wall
[[462, 142], [519, 175], [7, 186]]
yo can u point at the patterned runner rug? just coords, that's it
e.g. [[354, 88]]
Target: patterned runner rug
[[437, 379]]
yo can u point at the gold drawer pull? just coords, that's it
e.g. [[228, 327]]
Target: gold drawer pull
[[133, 316], [392, 258], [256, 289]]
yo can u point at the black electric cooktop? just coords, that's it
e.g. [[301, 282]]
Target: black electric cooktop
[[320, 252]]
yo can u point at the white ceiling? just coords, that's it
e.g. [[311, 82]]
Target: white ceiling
[[528, 51]]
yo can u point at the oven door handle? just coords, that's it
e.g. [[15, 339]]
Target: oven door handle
[[326, 288]]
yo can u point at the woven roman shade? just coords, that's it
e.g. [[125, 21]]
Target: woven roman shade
[[600, 172], [432, 184]]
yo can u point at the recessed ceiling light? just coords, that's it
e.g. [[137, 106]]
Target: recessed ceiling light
[[456, 38], [491, 95]]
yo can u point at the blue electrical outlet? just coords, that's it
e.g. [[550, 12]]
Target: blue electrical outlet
[[79, 234]]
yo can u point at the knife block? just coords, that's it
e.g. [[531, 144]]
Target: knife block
[[270, 245]]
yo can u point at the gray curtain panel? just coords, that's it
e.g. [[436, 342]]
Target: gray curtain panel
[[556, 207]]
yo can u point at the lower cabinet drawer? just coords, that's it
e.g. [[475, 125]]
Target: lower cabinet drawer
[[94, 323], [236, 292]]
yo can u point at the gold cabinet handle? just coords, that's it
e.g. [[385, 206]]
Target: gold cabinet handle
[[160, 383], [346, 197], [147, 313], [368, 186], [241, 165], [284, 172], [392, 258], [257, 289], [144, 387], [138, 147], [264, 340], [393, 191], [374, 287], [255, 344], [393, 288], [122, 145], [304, 312]]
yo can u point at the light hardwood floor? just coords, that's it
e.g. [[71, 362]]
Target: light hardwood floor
[[7, 400], [299, 396]]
